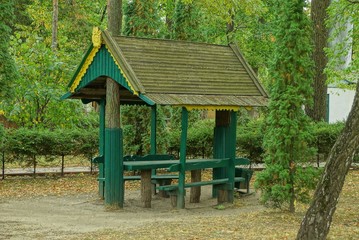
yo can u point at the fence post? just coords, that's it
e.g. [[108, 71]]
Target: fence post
[[3, 165], [62, 164], [91, 165], [34, 162]]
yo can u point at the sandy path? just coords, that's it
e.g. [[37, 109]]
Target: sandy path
[[60, 217]]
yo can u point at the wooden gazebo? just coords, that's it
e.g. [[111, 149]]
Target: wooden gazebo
[[167, 72]]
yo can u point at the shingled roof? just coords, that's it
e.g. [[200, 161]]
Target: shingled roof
[[167, 72]]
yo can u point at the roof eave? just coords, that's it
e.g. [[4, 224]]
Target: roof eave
[[249, 69]]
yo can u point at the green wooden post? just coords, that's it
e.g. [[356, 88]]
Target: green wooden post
[[101, 166], [220, 148], [153, 149], [114, 187], [153, 129], [182, 172], [232, 135]]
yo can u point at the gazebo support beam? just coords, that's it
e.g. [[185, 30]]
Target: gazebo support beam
[[101, 167], [153, 129], [114, 183], [182, 172]]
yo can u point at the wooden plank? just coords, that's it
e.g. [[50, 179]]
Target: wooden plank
[[200, 165]]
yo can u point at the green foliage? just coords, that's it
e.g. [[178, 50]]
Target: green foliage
[[343, 15], [288, 129], [8, 72], [142, 18], [325, 135], [25, 145], [35, 102], [250, 140], [187, 21]]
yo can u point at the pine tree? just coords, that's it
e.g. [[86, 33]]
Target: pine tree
[[288, 129]]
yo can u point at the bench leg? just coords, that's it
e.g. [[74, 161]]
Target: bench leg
[[162, 193], [173, 196], [146, 190], [222, 196], [195, 194]]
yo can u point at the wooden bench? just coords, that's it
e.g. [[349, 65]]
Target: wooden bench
[[222, 183], [244, 172], [156, 179]]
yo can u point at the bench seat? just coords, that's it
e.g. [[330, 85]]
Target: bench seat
[[174, 187]]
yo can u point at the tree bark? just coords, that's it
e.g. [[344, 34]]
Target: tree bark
[[114, 9], [195, 194], [320, 38], [317, 221], [55, 18], [146, 191]]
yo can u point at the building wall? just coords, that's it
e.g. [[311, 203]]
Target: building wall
[[340, 103]]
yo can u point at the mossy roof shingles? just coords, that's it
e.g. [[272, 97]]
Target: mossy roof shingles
[[185, 73]]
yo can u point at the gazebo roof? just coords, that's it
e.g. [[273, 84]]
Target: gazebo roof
[[167, 72]]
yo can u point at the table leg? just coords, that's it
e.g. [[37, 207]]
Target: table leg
[[146, 192]]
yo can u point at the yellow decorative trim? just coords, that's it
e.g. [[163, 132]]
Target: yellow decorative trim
[[205, 107], [96, 37], [84, 68], [123, 74]]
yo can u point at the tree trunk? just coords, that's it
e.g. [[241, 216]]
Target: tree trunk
[[114, 183], [195, 194], [114, 10], [318, 218], [320, 38], [146, 191], [55, 18]]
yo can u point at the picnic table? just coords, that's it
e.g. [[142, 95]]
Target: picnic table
[[146, 168]]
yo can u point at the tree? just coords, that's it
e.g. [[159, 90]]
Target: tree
[[55, 19], [35, 102], [320, 39], [8, 72], [284, 180], [317, 220], [343, 21]]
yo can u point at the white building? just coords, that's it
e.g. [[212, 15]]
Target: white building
[[339, 102]]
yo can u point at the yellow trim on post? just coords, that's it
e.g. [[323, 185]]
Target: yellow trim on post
[[123, 74], [206, 107]]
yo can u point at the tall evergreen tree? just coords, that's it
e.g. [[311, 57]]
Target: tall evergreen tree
[[142, 18], [8, 72], [284, 180]]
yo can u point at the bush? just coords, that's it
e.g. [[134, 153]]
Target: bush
[[250, 140], [27, 144]]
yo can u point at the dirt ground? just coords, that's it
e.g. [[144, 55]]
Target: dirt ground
[[60, 217], [68, 208]]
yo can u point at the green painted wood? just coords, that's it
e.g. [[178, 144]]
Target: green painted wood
[[153, 129], [182, 173], [114, 187], [219, 151], [203, 183], [210, 163], [98, 159], [242, 161], [143, 165], [232, 155], [101, 166]]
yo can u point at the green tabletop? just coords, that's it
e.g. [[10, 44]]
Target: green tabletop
[[154, 164]]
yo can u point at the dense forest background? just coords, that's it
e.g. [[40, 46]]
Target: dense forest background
[[38, 62]]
